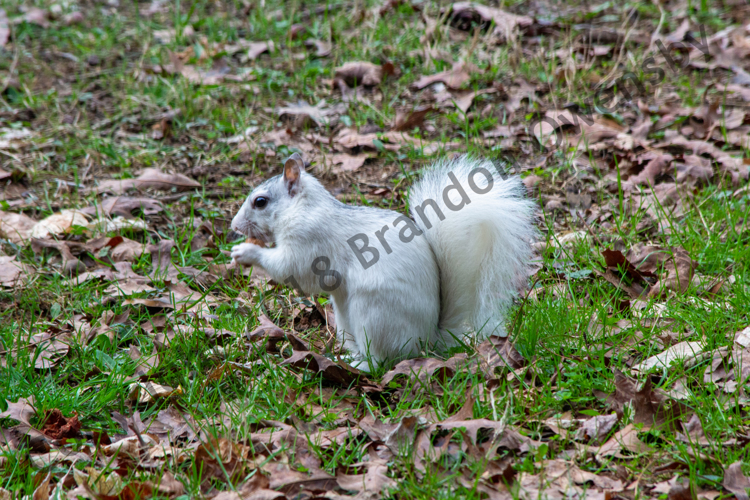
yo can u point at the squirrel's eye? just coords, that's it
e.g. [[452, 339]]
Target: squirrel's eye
[[260, 202]]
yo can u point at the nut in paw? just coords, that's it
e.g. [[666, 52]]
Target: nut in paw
[[245, 253]]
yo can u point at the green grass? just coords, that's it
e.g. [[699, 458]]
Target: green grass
[[79, 109]]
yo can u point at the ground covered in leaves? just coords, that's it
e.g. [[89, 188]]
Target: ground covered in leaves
[[136, 361]]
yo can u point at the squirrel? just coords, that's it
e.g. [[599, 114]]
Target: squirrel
[[398, 284]]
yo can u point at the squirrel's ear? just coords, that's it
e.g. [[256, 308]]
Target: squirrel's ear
[[293, 168]]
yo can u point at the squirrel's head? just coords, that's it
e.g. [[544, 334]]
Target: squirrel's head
[[258, 216]]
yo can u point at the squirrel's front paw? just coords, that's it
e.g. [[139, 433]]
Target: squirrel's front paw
[[246, 254]]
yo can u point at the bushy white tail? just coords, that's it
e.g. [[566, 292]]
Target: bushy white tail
[[480, 227]]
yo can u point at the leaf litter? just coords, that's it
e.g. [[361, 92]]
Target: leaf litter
[[640, 169]]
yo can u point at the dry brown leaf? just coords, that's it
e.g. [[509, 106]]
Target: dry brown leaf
[[71, 266], [58, 223], [149, 178], [4, 29], [736, 482], [99, 483], [336, 372], [220, 458], [653, 408], [322, 48], [124, 206], [350, 140], [273, 335], [71, 18], [13, 273], [56, 426], [255, 49], [505, 22], [50, 349], [408, 120], [161, 261], [284, 137], [144, 364], [359, 73], [625, 439], [257, 488], [146, 392], [293, 482], [656, 167], [371, 484], [464, 99], [319, 114], [348, 162], [22, 410], [125, 249], [680, 271], [597, 428], [454, 78], [424, 369], [36, 16], [499, 353], [16, 227], [690, 353]]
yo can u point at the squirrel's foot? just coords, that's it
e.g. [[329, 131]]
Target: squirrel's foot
[[246, 253]]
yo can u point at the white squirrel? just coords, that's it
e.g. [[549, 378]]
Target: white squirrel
[[398, 284]]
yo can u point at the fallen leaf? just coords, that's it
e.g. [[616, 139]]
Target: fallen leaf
[[374, 483], [653, 408], [104, 225], [99, 483], [505, 22], [124, 206], [336, 372], [4, 29], [36, 16], [615, 260], [49, 350], [13, 273], [56, 426], [319, 114], [424, 369], [499, 353], [161, 260], [119, 248], [359, 73], [220, 458], [72, 18], [408, 120], [255, 49], [348, 162], [144, 364], [351, 140], [625, 439], [597, 428], [735, 481], [464, 99], [16, 227], [21, 411], [58, 223], [454, 78], [687, 352], [146, 392], [150, 178], [322, 48]]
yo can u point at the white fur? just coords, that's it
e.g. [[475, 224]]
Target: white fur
[[458, 277]]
